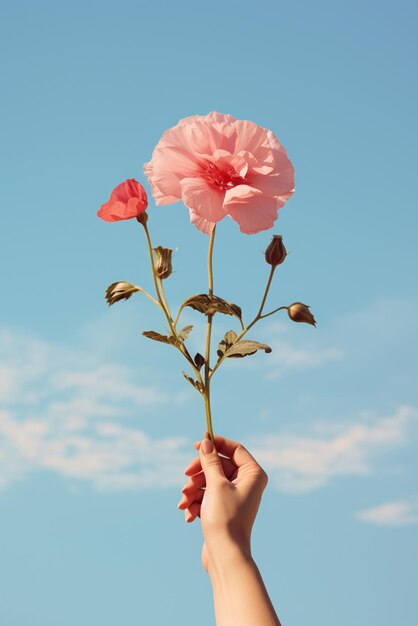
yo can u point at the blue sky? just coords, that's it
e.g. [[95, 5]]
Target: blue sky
[[96, 422]]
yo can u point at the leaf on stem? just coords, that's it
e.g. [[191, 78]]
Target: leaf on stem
[[185, 332], [195, 383], [226, 342], [151, 334], [245, 348], [210, 304]]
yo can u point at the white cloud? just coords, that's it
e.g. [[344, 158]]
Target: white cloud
[[396, 513], [302, 463], [291, 349], [68, 412], [57, 412]]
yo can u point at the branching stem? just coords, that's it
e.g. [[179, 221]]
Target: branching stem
[[162, 302], [258, 317]]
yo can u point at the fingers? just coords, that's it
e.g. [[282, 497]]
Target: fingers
[[195, 467], [233, 450], [190, 498], [192, 512]]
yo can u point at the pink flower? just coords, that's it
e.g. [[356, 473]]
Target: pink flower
[[222, 166], [127, 200]]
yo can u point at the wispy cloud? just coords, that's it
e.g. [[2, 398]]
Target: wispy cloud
[[291, 350], [395, 513], [57, 412], [303, 463], [70, 412]]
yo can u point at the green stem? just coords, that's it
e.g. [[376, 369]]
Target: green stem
[[208, 338]]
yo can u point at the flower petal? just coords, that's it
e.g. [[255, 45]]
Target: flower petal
[[210, 117], [205, 200], [281, 184], [251, 208], [201, 223], [251, 137], [113, 212]]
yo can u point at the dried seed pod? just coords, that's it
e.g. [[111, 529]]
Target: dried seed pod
[[120, 291], [275, 252], [163, 267], [299, 312]]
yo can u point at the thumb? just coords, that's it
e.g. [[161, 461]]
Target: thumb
[[210, 461]]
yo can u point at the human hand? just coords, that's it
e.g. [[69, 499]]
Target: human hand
[[225, 492]]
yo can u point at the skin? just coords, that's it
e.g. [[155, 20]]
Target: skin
[[225, 492]]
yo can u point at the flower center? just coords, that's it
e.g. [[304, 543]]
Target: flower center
[[220, 179]]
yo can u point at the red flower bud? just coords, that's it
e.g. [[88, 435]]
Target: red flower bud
[[299, 312], [275, 252], [127, 200]]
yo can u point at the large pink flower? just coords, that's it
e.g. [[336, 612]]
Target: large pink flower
[[222, 166]]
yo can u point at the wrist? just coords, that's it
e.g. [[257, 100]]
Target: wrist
[[226, 556]]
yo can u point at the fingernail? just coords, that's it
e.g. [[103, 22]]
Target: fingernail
[[187, 515], [207, 446]]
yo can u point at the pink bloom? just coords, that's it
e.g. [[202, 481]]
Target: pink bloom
[[222, 166], [127, 200]]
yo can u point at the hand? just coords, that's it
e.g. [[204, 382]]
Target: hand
[[225, 492]]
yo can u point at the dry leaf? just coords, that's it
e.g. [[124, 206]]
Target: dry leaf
[[209, 305], [185, 332], [245, 348], [151, 334], [195, 383], [226, 342]]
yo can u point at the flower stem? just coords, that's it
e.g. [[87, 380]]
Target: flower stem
[[148, 296], [279, 308], [178, 315], [159, 289], [259, 316], [208, 338]]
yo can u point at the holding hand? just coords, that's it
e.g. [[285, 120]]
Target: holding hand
[[225, 492]]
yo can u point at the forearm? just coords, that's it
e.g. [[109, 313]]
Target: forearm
[[240, 596]]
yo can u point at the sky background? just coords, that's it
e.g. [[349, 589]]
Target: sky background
[[96, 421]]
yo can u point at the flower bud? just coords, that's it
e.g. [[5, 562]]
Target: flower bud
[[275, 252], [127, 200], [120, 291], [299, 312], [142, 218], [162, 266]]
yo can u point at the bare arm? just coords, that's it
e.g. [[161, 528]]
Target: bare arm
[[225, 492], [239, 594]]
